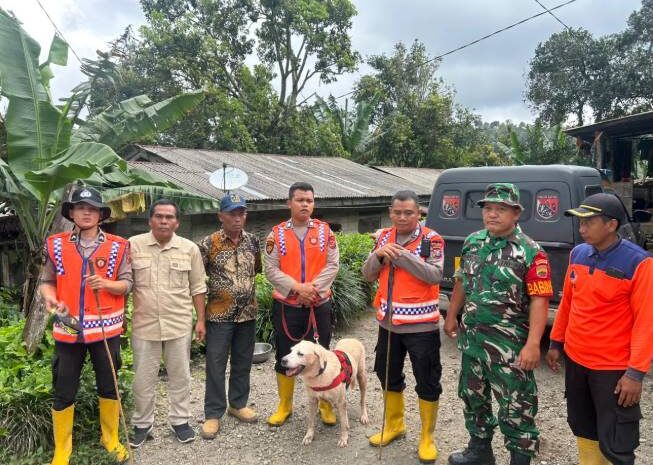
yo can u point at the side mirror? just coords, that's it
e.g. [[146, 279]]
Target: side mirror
[[642, 216]]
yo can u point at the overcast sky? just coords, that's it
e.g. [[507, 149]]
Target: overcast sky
[[488, 77]]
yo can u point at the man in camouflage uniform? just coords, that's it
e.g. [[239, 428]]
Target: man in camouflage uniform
[[504, 283]]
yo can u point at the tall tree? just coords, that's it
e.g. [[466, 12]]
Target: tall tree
[[562, 75], [190, 44], [416, 118], [576, 74]]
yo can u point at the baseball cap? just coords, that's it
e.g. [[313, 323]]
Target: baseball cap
[[501, 192], [232, 201], [600, 204]]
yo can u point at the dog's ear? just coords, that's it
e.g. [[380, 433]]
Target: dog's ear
[[321, 360]]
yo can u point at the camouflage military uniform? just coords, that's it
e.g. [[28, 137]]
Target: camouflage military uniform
[[494, 273]]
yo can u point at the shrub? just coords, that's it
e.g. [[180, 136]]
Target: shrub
[[264, 317], [26, 398]]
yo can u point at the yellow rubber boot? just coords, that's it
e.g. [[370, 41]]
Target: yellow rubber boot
[[109, 421], [62, 426], [394, 426], [589, 452], [427, 451], [327, 414], [286, 388]]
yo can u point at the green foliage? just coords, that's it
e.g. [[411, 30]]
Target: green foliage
[[264, 328], [351, 294], [83, 454], [576, 74], [49, 147], [352, 126], [533, 144], [26, 400], [189, 44], [350, 298], [417, 121]]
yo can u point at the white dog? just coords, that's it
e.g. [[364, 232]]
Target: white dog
[[326, 378]]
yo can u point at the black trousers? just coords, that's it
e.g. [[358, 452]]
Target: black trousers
[[424, 352], [67, 367], [297, 321], [593, 412]]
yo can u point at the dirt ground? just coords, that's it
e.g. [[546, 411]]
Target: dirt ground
[[262, 445]]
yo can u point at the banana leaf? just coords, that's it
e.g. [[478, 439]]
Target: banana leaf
[[31, 120], [136, 118]]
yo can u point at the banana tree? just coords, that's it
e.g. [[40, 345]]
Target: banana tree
[[353, 125], [48, 147]]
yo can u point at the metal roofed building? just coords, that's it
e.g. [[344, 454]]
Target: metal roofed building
[[350, 196], [614, 145], [424, 177]]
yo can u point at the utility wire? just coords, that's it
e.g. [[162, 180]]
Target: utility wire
[[480, 39], [553, 14], [59, 32]]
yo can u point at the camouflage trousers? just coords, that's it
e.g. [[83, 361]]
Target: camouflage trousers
[[516, 392]]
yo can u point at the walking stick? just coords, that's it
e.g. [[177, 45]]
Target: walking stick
[[391, 278], [96, 294], [424, 252]]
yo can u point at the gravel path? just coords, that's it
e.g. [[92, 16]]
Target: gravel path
[[262, 445]]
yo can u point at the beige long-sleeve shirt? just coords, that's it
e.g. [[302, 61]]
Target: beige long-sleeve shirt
[[284, 283], [165, 280]]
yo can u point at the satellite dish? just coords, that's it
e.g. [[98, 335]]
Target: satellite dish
[[228, 178]]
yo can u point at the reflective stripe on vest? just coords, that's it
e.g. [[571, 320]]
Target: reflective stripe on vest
[[413, 300], [71, 270], [303, 260]]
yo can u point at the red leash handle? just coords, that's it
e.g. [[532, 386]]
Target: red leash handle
[[312, 323]]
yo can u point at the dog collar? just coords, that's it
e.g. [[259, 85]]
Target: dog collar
[[345, 374]]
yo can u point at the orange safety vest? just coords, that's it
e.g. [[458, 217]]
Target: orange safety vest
[[413, 300], [71, 270], [303, 260]]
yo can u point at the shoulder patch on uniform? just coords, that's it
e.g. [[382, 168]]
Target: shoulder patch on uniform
[[332, 241], [269, 246]]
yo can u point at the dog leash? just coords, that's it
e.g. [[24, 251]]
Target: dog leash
[[312, 324]]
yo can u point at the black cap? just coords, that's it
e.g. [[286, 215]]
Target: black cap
[[600, 204], [85, 194]]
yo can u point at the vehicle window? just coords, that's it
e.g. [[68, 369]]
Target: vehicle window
[[547, 205], [450, 206], [473, 211], [591, 190]]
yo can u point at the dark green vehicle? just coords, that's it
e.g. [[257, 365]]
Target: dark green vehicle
[[546, 192]]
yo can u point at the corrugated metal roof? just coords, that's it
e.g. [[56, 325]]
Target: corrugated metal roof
[[270, 176], [424, 177]]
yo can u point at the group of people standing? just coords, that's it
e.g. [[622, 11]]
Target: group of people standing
[[503, 285]]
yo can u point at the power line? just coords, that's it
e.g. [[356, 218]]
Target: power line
[[59, 32], [480, 39], [552, 14]]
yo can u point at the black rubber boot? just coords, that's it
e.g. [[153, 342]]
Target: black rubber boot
[[477, 452], [519, 459]]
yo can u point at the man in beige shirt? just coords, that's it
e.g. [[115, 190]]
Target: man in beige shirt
[[169, 280]]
